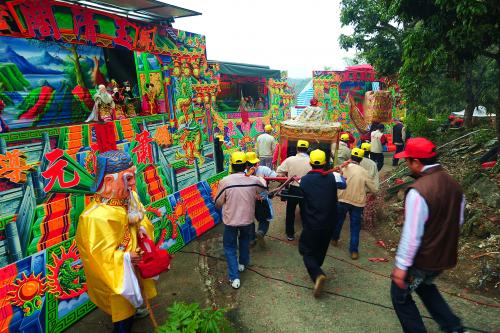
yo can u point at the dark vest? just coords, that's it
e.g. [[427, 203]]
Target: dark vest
[[443, 195], [397, 133]]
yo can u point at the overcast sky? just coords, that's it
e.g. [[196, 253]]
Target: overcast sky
[[295, 35]]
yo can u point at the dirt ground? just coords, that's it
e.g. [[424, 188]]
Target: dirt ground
[[275, 295]]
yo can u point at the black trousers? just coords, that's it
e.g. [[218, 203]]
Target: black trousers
[[421, 282], [291, 205], [399, 148], [313, 245], [378, 158]]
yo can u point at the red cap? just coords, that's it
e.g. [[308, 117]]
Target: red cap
[[451, 117], [418, 148], [313, 102]]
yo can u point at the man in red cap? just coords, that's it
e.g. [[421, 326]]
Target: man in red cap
[[434, 212]]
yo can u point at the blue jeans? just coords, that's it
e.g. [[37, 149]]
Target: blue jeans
[[355, 215], [422, 282], [263, 228], [234, 236]]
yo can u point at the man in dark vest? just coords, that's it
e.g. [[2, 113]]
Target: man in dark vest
[[434, 212]]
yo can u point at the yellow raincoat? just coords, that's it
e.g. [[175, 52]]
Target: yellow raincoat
[[100, 232]]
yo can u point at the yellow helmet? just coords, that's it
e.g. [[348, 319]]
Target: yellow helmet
[[358, 152], [344, 137], [238, 157], [317, 157], [252, 157], [303, 144], [366, 146], [402, 119], [268, 128]]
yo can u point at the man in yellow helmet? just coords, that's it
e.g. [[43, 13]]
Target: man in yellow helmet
[[264, 147], [319, 215], [299, 166], [236, 196], [353, 199], [263, 208], [344, 153]]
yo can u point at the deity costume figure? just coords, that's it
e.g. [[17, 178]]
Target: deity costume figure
[[149, 103], [119, 101], [130, 100], [103, 106], [107, 239]]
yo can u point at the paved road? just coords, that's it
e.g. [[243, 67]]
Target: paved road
[[266, 305]]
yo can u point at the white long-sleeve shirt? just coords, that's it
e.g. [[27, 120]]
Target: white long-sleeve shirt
[[416, 214]]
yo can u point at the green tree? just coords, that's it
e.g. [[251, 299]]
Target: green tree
[[425, 40], [377, 37]]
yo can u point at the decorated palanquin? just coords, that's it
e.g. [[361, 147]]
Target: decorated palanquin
[[53, 57]]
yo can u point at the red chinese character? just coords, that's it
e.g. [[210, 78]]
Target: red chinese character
[[39, 17], [146, 41], [122, 37], [84, 24], [55, 171], [143, 149], [13, 166]]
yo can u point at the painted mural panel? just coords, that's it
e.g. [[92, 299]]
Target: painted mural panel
[[45, 83], [37, 250]]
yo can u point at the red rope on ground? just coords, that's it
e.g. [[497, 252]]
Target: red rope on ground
[[387, 276]]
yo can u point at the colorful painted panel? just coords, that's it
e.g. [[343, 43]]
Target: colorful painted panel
[[37, 225], [46, 83]]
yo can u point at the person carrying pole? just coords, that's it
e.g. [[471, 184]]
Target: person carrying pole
[[263, 208], [352, 200], [299, 166], [236, 196], [319, 215]]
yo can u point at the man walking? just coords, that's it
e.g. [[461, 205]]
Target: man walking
[[319, 214], [398, 138], [236, 195], [378, 140], [353, 199], [299, 166], [263, 208], [344, 153], [264, 147], [434, 211]]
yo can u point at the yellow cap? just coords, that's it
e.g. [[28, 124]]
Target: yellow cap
[[317, 157], [303, 144], [268, 128], [402, 119], [366, 146], [238, 157], [344, 137], [358, 152], [252, 157]]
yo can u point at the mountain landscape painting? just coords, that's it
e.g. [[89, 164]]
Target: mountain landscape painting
[[47, 83]]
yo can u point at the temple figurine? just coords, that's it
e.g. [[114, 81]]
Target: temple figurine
[[119, 101], [149, 102], [130, 100], [107, 239], [103, 106]]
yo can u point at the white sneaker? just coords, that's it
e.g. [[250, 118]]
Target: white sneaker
[[235, 283], [241, 267]]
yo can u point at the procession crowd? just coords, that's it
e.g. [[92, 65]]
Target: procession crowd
[[434, 210]]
